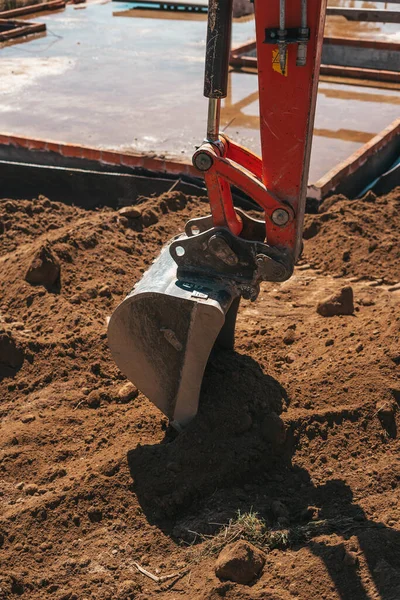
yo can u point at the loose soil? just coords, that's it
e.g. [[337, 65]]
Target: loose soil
[[299, 424]]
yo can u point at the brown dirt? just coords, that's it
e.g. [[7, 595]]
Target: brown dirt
[[299, 423], [356, 237]]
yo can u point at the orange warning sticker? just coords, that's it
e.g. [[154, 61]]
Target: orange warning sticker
[[275, 62]]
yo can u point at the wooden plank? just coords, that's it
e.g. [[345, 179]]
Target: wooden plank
[[361, 43], [23, 29], [361, 73], [168, 5], [352, 175], [373, 15], [26, 10]]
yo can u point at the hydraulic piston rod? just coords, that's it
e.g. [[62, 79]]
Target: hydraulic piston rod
[[218, 48]]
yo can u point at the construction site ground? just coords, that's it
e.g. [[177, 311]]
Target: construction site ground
[[103, 75], [93, 483]]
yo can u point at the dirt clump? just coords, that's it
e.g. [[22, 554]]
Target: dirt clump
[[240, 561], [340, 303], [44, 268], [298, 425], [11, 353]]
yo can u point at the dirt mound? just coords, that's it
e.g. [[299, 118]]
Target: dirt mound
[[299, 424], [356, 237]]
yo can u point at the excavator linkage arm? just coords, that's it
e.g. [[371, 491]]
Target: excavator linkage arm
[[161, 335]]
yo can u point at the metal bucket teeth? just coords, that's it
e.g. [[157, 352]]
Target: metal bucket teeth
[[161, 336]]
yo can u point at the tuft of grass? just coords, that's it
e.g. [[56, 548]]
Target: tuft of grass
[[251, 527]]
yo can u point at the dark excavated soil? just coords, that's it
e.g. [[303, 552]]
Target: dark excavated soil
[[305, 411]]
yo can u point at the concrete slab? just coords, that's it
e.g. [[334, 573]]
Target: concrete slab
[[135, 84]]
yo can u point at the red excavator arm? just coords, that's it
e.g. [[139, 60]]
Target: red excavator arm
[[161, 335], [289, 36]]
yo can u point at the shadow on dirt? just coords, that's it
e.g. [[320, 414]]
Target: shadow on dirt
[[236, 436], [234, 457], [377, 545]]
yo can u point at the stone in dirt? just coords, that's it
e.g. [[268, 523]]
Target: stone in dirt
[[240, 562], [95, 514], [11, 352], [127, 393], [341, 303], [386, 412], [128, 589], [44, 268], [130, 212]]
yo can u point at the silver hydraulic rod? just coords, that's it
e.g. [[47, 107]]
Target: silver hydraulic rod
[[213, 119], [303, 31], [282, 43], [304, 13]]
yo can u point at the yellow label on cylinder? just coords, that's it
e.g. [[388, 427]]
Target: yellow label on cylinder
[[276, 64]]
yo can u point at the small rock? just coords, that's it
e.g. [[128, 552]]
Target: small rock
[[370, 196], [273, 429], [124, 221], [341, 303], [127, 590], [346, 256], [127, 393], [279, 510], [93, 399], [289, 337], [130, 212], [11, 352], [95, 514], [28, 418], [359, 348], [329, 342], [149, 217], [312, 229], [45, 546], [240, 562], [290, 358], [44, 268], [20, 485], [350, 559], [310, 513], [31, 489], [386, 411], [105, 291]]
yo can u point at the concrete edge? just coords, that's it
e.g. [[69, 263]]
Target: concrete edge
[[104, 157], [347, 170]]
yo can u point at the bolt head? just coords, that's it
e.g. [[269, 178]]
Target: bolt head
[[202, 161], [280, 216]]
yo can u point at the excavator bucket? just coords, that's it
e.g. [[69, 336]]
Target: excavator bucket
[[162, 334]]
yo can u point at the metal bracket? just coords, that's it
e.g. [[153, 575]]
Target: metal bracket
[[253, 229], [217, 254], [295, 35]]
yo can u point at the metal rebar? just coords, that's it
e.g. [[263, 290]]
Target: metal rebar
[[214, 111], [304, 13], [282, 14], [282, 44], [303, 32]]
